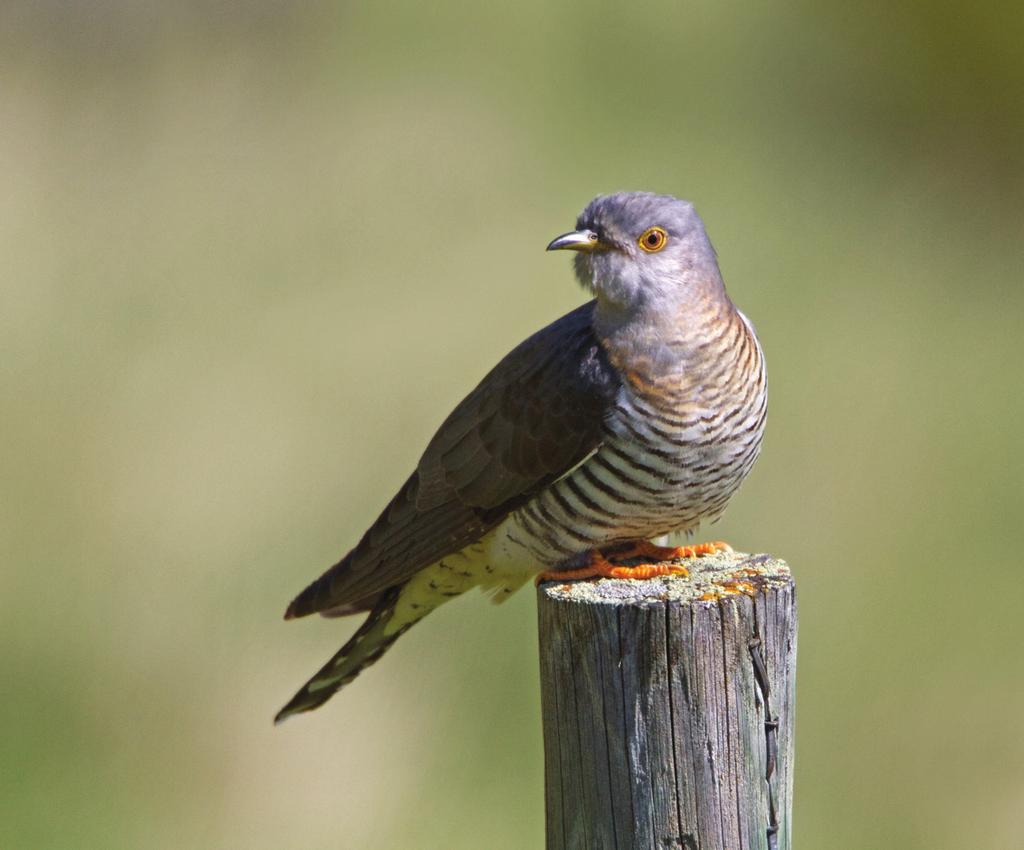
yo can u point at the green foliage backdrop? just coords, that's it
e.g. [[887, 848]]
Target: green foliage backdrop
[[252, 255]]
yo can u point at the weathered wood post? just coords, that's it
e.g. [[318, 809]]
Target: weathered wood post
[[668, 708]]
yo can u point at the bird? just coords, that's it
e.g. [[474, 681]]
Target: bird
[[637, 414]]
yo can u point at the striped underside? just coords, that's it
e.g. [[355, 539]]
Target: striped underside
[[673, 455]]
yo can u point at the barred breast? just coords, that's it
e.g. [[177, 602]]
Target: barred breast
[[677, 446]]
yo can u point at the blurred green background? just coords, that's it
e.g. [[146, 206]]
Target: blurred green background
[[253, 253]]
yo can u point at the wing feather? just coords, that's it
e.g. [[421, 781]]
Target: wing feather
[[536, 415]]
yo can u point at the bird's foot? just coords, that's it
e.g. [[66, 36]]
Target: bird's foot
[[598, 566], [646, 549]]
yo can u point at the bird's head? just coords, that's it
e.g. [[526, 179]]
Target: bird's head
[[640, 251]]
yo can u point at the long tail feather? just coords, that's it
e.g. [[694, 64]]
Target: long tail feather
[[367, 645]]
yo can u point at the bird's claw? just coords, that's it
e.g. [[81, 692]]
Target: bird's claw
[[598, 566]]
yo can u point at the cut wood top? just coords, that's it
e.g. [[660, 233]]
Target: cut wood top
[[711, 578]]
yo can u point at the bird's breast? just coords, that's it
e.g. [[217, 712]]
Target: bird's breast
[[676, 448]]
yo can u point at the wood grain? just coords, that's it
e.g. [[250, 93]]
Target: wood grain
[[668, 708]]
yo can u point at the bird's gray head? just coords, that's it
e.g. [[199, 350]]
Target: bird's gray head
[[637, 250]]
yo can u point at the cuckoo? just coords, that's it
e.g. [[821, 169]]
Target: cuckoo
[[636, 415]]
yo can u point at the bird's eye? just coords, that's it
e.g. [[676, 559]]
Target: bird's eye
[[653, 239]]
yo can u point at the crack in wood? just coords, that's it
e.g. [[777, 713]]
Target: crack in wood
[[771, 743]]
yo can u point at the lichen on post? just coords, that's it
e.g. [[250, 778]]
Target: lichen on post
[[668, 708]]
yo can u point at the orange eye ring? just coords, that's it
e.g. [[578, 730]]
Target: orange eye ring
[[653, 239]]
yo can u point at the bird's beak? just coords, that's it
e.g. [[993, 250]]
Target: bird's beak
[[577, 240]]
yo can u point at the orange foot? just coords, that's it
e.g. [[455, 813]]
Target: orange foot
[[645, 549], [600, 567]]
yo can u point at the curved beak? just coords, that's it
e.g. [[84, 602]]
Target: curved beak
[[577, 240]]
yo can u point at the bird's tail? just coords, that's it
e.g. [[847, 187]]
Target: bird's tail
[[369, 643]]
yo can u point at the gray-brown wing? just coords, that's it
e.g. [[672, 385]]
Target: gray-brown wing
[[537, 414]]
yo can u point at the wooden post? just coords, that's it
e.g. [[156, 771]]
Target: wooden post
[[668, 708]]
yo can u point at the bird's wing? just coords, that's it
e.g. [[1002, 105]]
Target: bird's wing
[[536, 415]]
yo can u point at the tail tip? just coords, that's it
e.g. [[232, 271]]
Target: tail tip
[[295, 706]]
